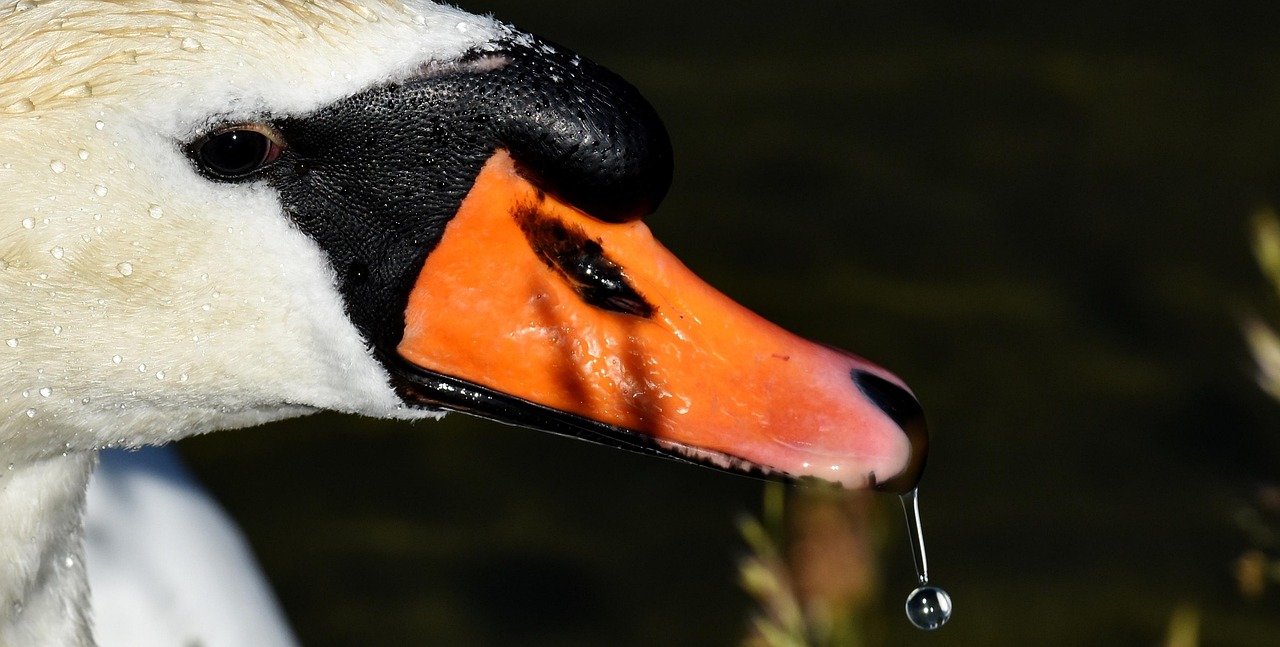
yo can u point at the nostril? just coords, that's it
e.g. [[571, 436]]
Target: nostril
[[902, 408]]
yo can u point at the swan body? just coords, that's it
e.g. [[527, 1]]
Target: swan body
[[166, 565], [219, 213]]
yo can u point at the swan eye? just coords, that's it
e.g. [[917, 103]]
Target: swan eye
[[236, 152]]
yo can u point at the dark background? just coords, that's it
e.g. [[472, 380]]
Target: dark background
[[1037, 215]]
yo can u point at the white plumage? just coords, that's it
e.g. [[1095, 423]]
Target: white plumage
[[167, 567], [191, 306]]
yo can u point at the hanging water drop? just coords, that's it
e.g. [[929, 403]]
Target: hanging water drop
[[125, 268], [57, 166], [83, 154], [100, 191], [928, 607], [56, 252], [155, 211]]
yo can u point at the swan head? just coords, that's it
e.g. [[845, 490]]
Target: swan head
[[216, 214]]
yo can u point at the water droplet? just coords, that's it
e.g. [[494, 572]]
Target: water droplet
[[191, 45], [928, 607], [25, 5], [155, 211], [80, 90], [99, 125], [57, 252], [116, 359], [11, 343], [159, 375], [182, 377], [45, 391], [125, 268], [31, 413], [69, 561], [84, 154], [28, 223], [20, 106], [57, 166], [85, 400], [100, 190], [142, 368], [57, 330], [26, 393]]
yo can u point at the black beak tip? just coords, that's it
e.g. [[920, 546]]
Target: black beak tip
[[904, 410]]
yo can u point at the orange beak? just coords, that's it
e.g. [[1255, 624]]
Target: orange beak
[[533, 312]]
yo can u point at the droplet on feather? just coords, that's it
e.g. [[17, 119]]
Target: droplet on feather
[[20, 106], [80, 90]]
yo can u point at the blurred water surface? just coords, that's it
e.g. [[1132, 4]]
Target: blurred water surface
[[1037, 215]]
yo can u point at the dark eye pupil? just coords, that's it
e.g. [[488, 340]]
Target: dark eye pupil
[[235, 153]]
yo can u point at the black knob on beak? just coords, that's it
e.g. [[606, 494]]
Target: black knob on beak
[[582, 132]]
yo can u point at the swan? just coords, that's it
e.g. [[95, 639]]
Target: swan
[[221, 213]]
